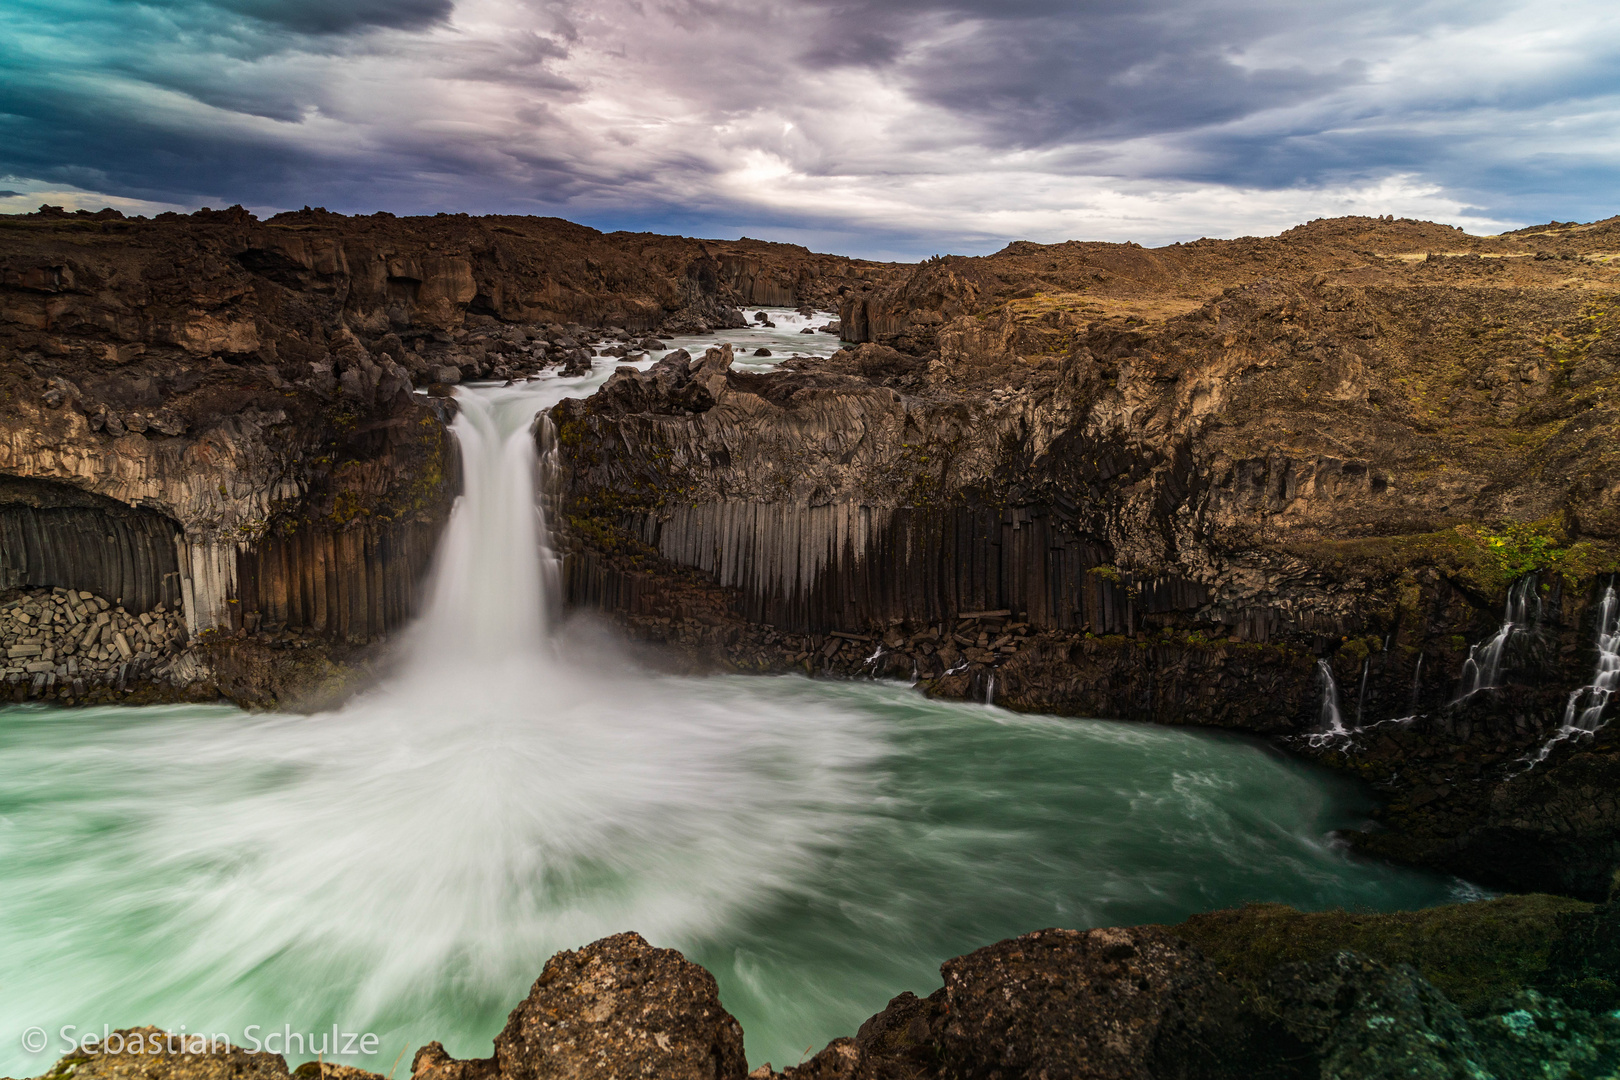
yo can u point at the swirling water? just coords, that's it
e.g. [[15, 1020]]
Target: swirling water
[[404, 865]]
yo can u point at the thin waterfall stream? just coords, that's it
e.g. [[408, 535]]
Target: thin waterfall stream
[[404, 865]]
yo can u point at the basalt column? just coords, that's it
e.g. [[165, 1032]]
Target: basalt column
[[53, 535], [841, 566], [351, 584]]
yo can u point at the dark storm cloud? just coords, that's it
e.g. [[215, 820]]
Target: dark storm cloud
[[342, 16], [787, 115], [1034, 74]]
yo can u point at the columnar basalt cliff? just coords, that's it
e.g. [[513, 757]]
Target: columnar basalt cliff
[[1177, 485], [217, 413]]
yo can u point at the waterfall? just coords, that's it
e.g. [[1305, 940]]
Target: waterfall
[[1584, 713], [1417, 685], [1332, 712], [1361, 694], [1606, 680], [1483, 668], [495, 577], [990, 688]]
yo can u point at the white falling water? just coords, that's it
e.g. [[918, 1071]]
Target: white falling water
[[1483, 668], [1584, 713], [1331, 714], [1586, 705], [1417, 685], [496, 526]]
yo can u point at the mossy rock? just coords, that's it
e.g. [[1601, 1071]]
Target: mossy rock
[[1475, 953]]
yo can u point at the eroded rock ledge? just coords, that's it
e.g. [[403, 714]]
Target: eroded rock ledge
[[1498, 990]]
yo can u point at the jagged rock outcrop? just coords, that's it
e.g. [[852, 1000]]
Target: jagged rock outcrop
[[1164, 485], [616, 1008]]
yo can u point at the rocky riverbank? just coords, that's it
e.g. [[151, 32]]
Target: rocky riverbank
[[1498, 990], [79, 647]]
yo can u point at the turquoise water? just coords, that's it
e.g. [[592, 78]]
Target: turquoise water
[[405, 866]]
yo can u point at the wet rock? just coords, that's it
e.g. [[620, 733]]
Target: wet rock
[[1531, 1035], [762, 351], [446, 375], [1364, 1019]]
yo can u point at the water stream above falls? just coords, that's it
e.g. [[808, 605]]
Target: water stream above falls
[[406, 864]]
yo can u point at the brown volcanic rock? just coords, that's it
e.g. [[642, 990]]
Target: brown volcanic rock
[[1114, 1004], [621, 1008], [618, 1008], [152, 1054]]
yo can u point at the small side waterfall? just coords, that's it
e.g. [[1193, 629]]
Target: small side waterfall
[[1483, 668], [1586, 705], [1332, 710], [1584, 713], [990, 688]]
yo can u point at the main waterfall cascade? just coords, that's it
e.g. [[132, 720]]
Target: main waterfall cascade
[[405, 865]]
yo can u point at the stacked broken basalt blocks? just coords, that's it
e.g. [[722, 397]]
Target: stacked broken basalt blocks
[[66, 644]]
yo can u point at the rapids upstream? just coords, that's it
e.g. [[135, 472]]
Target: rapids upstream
[[405, 865]]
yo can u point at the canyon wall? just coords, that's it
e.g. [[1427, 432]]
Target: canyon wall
[[1183, 485], [217, 413]]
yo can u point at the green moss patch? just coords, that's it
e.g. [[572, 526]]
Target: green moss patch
[[1474, 953], [1487, 557]]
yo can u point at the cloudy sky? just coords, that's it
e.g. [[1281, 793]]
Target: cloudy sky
[[894, 128]]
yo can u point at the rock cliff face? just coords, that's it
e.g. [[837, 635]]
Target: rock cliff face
[[217, 413], [1184, 485]]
